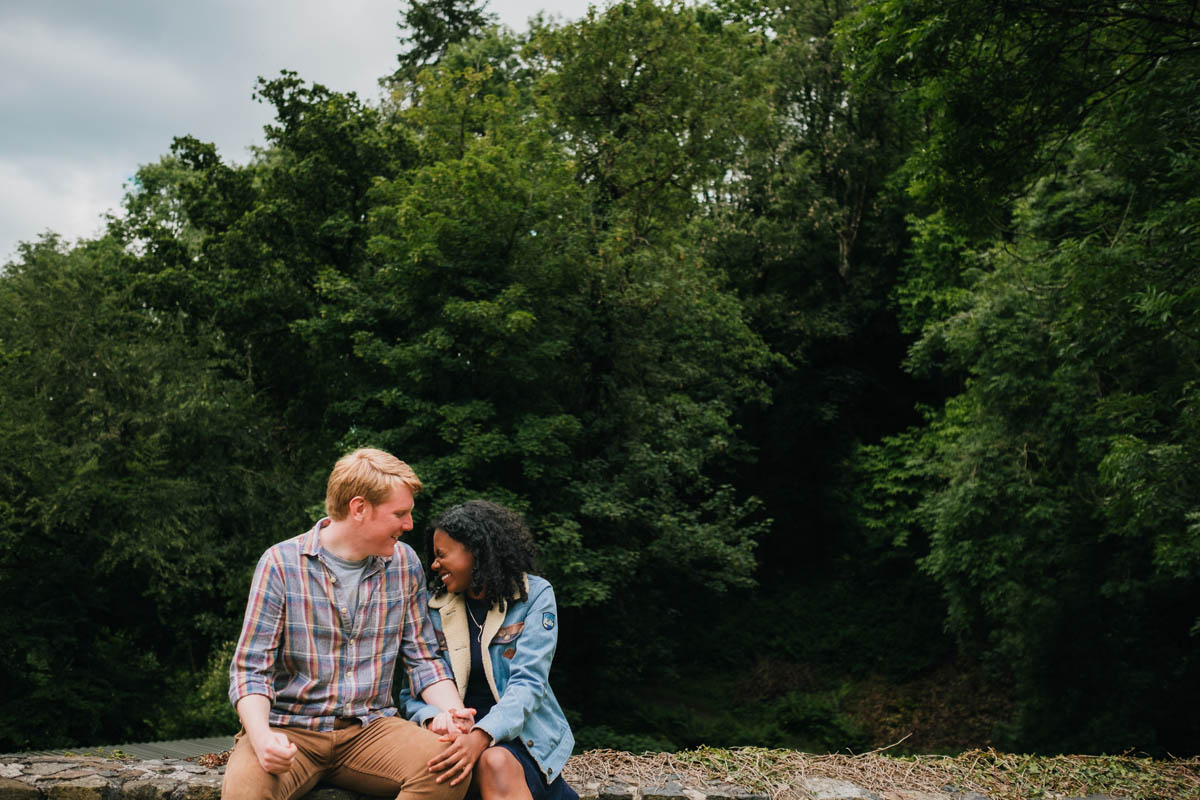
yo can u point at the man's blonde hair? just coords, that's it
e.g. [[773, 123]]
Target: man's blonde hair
[[369, 473]]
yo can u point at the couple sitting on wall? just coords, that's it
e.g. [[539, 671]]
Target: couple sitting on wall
[[332, 610]]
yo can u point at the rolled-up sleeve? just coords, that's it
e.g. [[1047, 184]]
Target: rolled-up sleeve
[[418, 642], [252, 669]]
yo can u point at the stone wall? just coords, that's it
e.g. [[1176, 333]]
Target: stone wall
[[95, 778]]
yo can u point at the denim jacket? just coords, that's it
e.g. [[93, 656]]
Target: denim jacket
[[520, 643]]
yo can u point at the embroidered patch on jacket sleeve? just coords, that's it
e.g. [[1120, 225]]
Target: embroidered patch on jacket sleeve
[[548, 620], [509, 653], [508, 633]]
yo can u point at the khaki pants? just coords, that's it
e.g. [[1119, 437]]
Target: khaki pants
[[388, 758]]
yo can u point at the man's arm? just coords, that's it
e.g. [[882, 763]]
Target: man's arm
[[251, 668], [422, 661], [274, 750], [444, 695]]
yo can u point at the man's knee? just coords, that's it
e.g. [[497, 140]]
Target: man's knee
[[244, 778]]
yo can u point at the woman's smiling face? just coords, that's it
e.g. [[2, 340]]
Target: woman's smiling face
[[452, 562]]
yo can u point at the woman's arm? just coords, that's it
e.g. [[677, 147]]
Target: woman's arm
[[529, 669]]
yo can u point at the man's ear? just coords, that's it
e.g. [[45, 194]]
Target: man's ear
[[357, 507]]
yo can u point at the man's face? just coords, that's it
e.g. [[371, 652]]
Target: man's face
[[384, 524]]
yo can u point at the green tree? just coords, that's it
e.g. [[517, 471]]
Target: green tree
[[1059, 485], [809, 225], [1002, 86], [432, 28], [132, 471], [519, 335], [260, 237]]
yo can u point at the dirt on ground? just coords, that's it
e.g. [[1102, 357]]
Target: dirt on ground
[[952, 709]]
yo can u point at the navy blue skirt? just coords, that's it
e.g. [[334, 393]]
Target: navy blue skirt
[[558, 788]]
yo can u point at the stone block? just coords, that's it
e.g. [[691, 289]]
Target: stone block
[[47, 767], [667, 790], [618, 791], [77, 771], [202, 787], [149, 789], [830, 789], [92, 787], [17, 790], [729, 791]]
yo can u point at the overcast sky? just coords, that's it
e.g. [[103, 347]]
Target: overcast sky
[[90, 89]]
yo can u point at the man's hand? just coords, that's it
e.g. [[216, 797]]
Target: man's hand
[[275, 752], [455, 719], [458, 759]]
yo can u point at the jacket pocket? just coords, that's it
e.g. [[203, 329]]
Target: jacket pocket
[[508, 633]]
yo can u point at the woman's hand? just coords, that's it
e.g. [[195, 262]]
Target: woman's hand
[[459, 757]]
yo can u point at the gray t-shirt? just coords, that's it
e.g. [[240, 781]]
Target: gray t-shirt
[[347, 576]]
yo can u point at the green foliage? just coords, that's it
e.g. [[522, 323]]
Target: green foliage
[[796, 329], [1002, 86], [433, 27], [492, 267], [819, 719], [602, 737], [656, 103], [127, 486], [1056, 487], [198, 703], [707, 713]]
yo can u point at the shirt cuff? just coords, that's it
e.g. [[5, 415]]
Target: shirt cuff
[[422, 677]]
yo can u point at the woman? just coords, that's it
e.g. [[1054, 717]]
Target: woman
[[499, 625]]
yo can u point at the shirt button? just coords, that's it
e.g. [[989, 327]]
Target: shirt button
[[530, 742]]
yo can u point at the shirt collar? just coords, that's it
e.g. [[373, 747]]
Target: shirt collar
[[310, 544]]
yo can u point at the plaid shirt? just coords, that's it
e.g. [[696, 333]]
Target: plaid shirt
[[314, 668]]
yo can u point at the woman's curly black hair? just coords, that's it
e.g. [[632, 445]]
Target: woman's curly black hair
[[500, 542]]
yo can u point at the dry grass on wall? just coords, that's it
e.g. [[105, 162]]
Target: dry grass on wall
[[1000, 776]]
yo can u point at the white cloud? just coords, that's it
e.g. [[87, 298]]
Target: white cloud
[[90, 89], [37, 56], [66, 198]]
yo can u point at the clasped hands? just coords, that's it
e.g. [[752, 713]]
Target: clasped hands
[[464, 745]]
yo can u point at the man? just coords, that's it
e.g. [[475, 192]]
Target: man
[[330, 612]]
